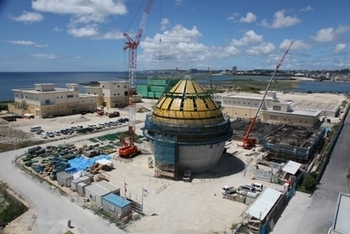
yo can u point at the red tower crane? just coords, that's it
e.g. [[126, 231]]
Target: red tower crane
[[129, 149], [247, 141]]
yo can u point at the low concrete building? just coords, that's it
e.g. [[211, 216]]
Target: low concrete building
[[64, 178], [81, 188], [117, 206], [95, 193], [75, 182], [110, 187], [272, 110], [110, 94], [46, 100]]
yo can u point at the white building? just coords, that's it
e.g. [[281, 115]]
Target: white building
[[110, 94], [272, 110], [46, 100]]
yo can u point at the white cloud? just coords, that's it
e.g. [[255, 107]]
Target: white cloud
[[324, 35], [86, 31], [233, 17], [330, 34], [112, 35], [44, 56], [80, 8], [178, 2], [86, 15], [339, 48], [57, 29], [181, 44], [248, 38], [281, 21], [26, 43], [250, 17], [164, 23], [297, 45], [28, 17], [342, 29], [307, 8], [264, 48], [180, 34]]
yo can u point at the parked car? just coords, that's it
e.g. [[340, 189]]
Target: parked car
[[247, 188], [43, 135], [228, 190], [57, 133], [64, 132], [50, 134], [187, 176], [258, 186]]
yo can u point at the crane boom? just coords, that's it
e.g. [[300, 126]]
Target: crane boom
[[248, 142], [129, 149]]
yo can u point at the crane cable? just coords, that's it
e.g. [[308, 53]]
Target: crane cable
[[160, 37]]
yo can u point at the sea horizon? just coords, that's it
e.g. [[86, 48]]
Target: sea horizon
[[26, 80]]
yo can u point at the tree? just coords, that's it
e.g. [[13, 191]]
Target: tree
[[310, 183]]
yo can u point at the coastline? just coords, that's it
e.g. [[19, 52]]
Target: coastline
[[302, 78]]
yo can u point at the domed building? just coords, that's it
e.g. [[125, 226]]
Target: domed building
[[186, 130]]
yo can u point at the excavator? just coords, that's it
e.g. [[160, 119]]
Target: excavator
[[247, 141], [128, 150]]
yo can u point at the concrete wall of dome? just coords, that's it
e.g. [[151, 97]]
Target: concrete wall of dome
[[199, 158]]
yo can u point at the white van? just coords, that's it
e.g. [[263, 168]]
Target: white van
[[258, 187], [35, 128], [228, 190]]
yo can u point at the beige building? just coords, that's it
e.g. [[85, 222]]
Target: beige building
[[110, 94], [46, 100], [272, 110]]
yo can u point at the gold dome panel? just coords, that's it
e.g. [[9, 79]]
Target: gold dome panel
[[187, 100]]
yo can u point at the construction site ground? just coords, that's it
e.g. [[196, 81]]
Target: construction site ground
[[170, 206]]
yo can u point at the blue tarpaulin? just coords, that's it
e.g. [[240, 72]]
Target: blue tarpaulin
[[82, 163]]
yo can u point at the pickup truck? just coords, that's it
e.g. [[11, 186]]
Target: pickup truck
[[187, 176]]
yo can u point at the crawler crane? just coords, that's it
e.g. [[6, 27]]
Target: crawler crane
[[129, 149], [247, 141]]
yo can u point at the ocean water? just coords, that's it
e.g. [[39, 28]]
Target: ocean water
[[25, 80]]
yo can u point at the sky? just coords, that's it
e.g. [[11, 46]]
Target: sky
[[87, 35]]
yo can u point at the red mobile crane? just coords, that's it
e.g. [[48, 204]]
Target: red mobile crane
[[129, 149], [247, 141]]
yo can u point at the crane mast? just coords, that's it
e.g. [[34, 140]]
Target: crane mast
[[129, 149], [247, 141]]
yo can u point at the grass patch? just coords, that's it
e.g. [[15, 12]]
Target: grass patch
[[94, 140]]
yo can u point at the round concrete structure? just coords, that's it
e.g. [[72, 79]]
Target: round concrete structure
[[187, 129]]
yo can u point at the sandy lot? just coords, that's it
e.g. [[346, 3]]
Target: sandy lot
[[177, 206]]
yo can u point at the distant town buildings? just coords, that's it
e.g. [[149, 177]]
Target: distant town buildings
[[234, 70]]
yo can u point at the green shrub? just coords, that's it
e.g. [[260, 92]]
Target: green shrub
[[309, 183]]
